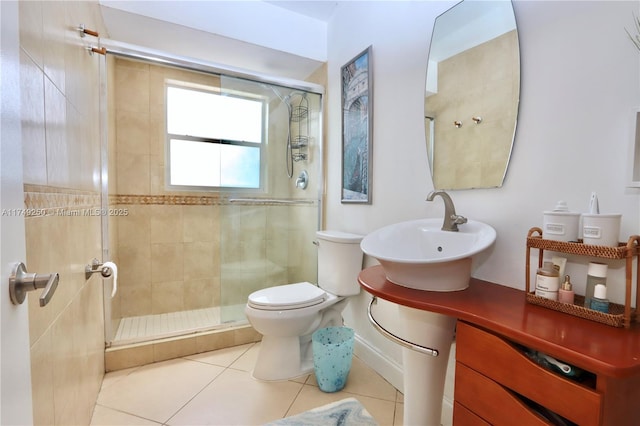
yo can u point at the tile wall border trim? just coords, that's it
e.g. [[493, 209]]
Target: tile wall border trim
[[42, 199], [200, 200]]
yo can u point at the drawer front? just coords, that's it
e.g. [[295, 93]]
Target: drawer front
[[495, 358], [463, 417], [490, 401]]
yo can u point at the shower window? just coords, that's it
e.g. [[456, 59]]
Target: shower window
[[214, 140]]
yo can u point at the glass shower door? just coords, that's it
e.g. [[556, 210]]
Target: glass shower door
[[267, 236]]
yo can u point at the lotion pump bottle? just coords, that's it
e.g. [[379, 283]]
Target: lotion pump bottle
[[566, 294], [599, 302]]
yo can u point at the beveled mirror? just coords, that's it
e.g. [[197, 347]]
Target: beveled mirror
[[472, 94]]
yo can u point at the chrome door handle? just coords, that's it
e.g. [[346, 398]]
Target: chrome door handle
[[20, 282]]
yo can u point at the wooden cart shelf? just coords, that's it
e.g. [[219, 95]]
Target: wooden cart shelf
[[619, 315]]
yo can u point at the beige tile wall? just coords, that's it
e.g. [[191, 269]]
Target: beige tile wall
[[174, 249], [61, 146], [471, 84]]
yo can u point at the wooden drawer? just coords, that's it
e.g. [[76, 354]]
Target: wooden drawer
[[490, 401], [495, 358], [463, 417]]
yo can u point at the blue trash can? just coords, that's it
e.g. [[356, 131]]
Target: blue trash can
[[332, 354]]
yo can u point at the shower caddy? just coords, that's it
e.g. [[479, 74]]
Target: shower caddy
[[299, 129]]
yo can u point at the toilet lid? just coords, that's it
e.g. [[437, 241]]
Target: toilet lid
[[290, 296]]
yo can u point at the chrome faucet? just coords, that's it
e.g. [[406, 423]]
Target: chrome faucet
[[451, 219]]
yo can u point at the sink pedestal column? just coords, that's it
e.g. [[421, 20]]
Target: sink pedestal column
[[424, 375]]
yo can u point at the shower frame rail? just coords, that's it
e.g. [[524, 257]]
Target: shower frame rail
[[266, 201]]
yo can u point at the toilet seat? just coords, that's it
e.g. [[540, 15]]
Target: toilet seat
[[284, 297]]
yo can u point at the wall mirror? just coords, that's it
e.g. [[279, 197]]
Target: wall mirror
[[472, 94]]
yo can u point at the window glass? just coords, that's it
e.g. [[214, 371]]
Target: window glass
[[209, 115], [214, 140], [194, 163], [240, 166]]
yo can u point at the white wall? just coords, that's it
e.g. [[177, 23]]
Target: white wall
[[257, 22], [242, 54], [580, 81]]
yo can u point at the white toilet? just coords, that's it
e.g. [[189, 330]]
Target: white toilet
[[287, 315]]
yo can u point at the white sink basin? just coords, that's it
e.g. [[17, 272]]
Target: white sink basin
[[419, 254]]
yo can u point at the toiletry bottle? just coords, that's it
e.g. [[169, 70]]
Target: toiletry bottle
[[596, 274], [599, 301], [561, 263], [566, 294], [547, 281]]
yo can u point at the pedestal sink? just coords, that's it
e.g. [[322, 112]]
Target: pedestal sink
[[420, 255]]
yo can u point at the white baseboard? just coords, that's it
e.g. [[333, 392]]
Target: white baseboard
[[386, 367]]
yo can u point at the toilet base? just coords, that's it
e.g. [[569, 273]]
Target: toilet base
[[283, 358], [287, 357]]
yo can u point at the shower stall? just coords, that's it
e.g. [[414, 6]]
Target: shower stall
[[189, 255]]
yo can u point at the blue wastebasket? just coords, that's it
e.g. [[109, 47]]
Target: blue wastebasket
[[332, 354]]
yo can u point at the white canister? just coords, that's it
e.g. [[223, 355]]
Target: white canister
[[561, 224], [601, 229]]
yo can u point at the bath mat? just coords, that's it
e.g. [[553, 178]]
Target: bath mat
[[346, 412]]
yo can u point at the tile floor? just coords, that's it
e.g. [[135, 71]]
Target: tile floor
[[216, 388]]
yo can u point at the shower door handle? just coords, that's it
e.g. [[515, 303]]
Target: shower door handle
[[20, 282]]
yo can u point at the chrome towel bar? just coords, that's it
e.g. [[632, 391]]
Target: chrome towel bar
[[399, 340]]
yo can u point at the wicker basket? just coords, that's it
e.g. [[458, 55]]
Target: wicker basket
[[619, 315], [614, 318], [579, 248]]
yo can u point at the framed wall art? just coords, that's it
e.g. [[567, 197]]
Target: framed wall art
[[634, 152], [357, 126]]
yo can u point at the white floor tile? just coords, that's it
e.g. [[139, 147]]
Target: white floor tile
[[103, 416], [248, 359], [235, 398], [217, 388], [157, 391], [363, 380], [222, 357]]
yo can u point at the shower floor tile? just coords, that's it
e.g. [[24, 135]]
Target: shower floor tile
[[158, 326]]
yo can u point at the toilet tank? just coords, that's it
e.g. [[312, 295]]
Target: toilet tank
[[339, 262]]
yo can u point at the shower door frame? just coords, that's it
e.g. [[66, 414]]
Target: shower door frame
[[129, 51]]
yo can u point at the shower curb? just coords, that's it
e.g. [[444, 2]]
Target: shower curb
[[138, 354]]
